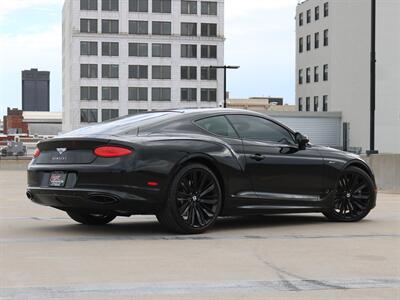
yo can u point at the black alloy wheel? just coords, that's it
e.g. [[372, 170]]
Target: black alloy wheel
[[91, 218], [195, 201], [354, 195]]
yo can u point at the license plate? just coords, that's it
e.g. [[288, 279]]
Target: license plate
[[57, 179]]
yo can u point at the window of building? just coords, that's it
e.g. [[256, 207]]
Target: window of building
[[161, 28], [325, 72], [308, 75], [137, 94], [208, 95], [307, 103], [110, 93], [109, 71], [301, 45], [188, 7], [316, 13], [88, 115], [257, 128], [162, 6], [88, 71], [208, 29], [109, 5], [300, 19], [109, 114], [88, 48], [188, 72], [308, 16], [138, 71], [161, 50], [161, 94], [316, 40], [189, 51], [189, 29], [326, 9], [326, 37], [110, 49], [138, 27], [109, 26], [316, 103], [138, 5], [189, 94], [132, 112], [308, 42], [325, 103], [88, 4], [89, 93], [301, 76], [208, 51], [300, 104], [208, 73], [161, 72], [316, 74], [138, 49], [209, 8], [89, 25]]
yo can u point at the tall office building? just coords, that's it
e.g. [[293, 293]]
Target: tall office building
[[123, 57], [333, 66], [35, 90]]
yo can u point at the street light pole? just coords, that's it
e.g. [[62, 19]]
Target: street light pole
[[373, 80], [225, 68]]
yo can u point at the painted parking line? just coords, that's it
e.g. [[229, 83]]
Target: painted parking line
[[144, 237], [179, 288]]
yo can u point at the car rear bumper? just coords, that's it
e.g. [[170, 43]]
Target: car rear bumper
[[96, 200]]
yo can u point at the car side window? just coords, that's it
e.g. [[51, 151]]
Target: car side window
[[218, 125], [257, 128]]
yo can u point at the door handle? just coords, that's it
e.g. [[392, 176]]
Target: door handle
[[257, 157]]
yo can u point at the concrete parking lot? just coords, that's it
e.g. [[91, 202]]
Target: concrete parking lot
[[45, 255]]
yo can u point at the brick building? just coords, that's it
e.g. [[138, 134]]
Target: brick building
[[13, 122]]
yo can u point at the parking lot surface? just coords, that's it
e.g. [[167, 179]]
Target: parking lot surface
[[45, 255]]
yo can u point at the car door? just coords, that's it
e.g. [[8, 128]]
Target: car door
[[281, 173]]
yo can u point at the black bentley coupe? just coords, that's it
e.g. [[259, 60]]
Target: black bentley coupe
[[188, 167]]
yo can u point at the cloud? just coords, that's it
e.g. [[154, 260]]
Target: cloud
[[7, 7]]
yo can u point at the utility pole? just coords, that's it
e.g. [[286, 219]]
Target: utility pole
[[373, 80], [225, 68]]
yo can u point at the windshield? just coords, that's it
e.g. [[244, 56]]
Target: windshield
[[124, 125]]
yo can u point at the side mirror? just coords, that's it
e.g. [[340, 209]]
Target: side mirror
[[301, 140]]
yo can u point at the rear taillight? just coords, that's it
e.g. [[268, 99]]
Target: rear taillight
[[112, 151], [36, 153]]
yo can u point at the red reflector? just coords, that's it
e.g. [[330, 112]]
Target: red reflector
[[36, 153], [112, 151], [152, 183]]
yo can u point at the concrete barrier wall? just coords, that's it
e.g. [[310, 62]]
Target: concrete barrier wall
[[387, 171], [386, 168]]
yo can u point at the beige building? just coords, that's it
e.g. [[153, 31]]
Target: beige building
[[260, 104], [333, 66]]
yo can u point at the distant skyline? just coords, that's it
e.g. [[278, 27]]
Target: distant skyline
[[260, 37]]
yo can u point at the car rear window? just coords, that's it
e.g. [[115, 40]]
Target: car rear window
[[124, 125]]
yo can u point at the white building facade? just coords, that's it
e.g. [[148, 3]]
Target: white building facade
[[333, 66], [123, 57]]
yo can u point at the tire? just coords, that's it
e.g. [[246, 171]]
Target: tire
[[90, 219], [354, 198], [194, 201]]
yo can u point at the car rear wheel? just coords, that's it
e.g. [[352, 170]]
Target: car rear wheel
[[91, 218], [194, 201], [354, 196]]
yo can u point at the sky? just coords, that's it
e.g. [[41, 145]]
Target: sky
[[260, 38]]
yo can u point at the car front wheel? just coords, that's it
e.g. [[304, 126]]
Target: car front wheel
[[354, 197]]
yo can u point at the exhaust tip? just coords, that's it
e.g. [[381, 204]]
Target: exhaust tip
[[29, 195]]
